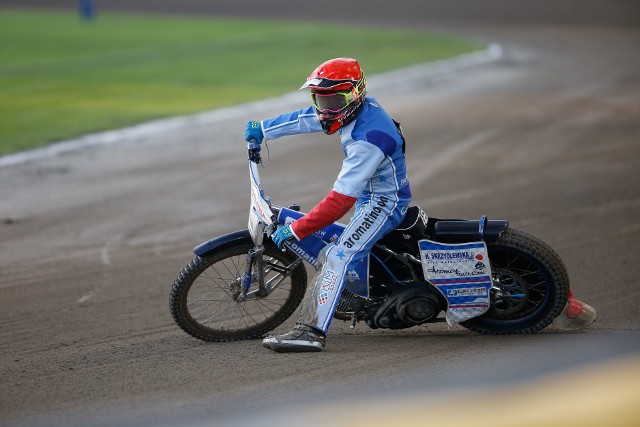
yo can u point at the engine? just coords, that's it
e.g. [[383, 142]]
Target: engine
[[407, 306]]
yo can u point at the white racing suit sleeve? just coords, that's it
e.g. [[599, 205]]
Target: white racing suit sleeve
[[292, 123], [363, 159]]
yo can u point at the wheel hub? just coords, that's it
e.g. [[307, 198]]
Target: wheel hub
[[509, 292]]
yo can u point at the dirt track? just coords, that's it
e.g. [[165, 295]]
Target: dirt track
[[548, 137]]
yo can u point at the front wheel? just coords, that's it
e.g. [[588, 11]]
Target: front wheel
[[530, 286], [204, 298]]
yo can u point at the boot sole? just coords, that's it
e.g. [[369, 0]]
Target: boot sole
[[281, 347]]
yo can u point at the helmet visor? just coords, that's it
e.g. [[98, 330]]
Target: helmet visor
[[333, 102]]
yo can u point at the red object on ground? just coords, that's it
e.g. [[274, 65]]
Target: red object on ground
[[575, 306]]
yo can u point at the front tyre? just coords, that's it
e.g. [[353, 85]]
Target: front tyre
[[530, 286], [204, 297]]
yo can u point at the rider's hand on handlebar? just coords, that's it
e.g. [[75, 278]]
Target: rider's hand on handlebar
[[253, 134], [281, 235]]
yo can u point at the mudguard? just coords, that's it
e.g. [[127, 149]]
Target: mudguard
[[217, 243], [462, 231]]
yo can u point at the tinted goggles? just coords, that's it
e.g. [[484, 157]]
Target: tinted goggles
[[332, 102]]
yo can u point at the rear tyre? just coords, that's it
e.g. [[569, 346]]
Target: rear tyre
[[532, 282], [203, 299]]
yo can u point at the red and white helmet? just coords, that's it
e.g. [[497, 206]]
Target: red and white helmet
[[338, 89]]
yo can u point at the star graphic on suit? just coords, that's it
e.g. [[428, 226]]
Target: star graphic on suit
[[383, 178], [340, 254]]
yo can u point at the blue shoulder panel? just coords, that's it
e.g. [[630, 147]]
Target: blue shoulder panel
[[383, 141]]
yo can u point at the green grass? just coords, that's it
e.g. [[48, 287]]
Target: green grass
[[61, 77]]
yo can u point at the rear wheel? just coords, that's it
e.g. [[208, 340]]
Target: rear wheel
[[204, 298], [530, 286]]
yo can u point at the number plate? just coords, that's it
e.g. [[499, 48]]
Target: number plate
[[255, 227]]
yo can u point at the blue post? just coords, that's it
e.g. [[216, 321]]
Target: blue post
[[86, 9]]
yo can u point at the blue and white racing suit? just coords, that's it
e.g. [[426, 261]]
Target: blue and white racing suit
[[374, 171]]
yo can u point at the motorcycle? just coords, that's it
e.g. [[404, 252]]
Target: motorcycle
[[482, 274]]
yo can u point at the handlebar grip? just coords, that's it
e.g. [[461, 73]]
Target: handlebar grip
[[254, 155]]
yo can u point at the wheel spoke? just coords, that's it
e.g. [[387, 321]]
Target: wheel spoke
[[243, 309], [206, 320]]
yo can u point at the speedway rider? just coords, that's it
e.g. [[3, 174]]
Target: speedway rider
[[373, 178], [373, 175]]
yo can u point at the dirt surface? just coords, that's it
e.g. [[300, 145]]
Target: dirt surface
[[547, 137]]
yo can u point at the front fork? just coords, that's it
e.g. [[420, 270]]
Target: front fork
[[254, 256], [255, 259]]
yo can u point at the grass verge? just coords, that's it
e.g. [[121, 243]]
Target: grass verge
[[61, 77]]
